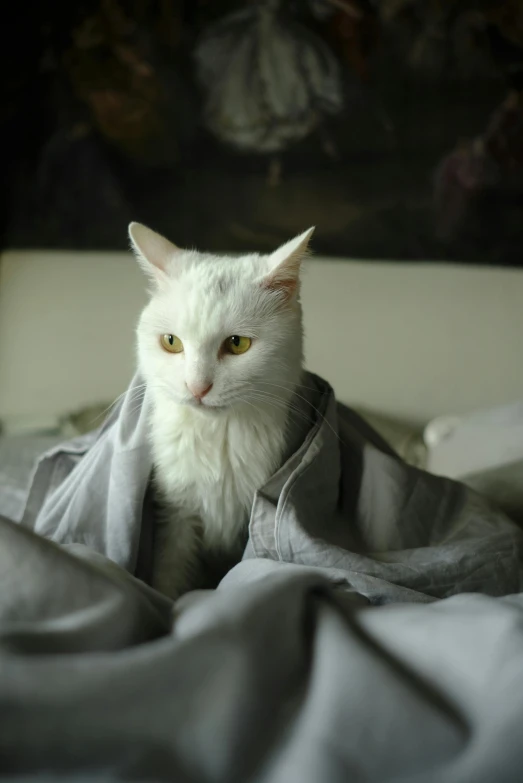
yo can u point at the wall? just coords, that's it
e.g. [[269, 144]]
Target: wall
[[410, 341]]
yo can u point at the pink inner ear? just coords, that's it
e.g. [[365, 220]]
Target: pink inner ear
[[285, 284], [287, 261]]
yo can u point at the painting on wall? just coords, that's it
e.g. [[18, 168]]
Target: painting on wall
[[394, 126]]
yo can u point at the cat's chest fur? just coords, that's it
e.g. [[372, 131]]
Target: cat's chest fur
[[210, 466]]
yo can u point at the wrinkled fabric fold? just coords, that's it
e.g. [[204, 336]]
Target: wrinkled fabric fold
[[279, 674], [342, 501]]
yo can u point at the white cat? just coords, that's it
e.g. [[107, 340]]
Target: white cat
[[220, 347]]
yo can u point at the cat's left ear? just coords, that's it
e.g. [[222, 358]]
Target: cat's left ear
[[285, 264], [153, 252]]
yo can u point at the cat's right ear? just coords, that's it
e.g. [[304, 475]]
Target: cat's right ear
[[153, 252]]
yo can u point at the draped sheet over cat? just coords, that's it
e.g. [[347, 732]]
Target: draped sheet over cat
[[283, 672], [343, 503]]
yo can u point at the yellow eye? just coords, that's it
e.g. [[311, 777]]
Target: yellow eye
[[171, 343], [237, 345]]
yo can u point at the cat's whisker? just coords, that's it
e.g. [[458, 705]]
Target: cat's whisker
[[113, 404], [282, 405], [289, 404], [247, 402], [136, 393], [291, 386], [277, 402], [264, 412], [308, 402]]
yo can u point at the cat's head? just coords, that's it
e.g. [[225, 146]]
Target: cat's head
[[220, 331]]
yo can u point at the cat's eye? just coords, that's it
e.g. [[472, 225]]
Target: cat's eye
[[171, 343], [237, 345]]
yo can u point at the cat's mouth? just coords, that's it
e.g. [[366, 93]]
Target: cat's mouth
[[206, 407]]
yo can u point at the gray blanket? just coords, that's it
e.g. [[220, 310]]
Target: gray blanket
[[336, 650]]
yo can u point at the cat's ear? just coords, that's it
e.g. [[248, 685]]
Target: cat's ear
[[153, 252], [285, 264]]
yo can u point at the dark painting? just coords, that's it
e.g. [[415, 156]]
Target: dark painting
[[394, 126]]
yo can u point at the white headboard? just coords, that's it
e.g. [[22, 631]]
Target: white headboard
[[411, 341]]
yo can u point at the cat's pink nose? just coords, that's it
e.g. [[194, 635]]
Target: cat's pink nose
[[199, 392]]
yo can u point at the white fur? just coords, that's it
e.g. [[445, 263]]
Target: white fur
[[211, 457]]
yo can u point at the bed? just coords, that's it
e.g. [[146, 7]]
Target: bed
[[317, 658]]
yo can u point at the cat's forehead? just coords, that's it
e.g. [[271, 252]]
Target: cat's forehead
[[219, 273], [211, 294]]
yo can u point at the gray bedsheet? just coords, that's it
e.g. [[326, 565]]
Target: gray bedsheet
[[368, 634]]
